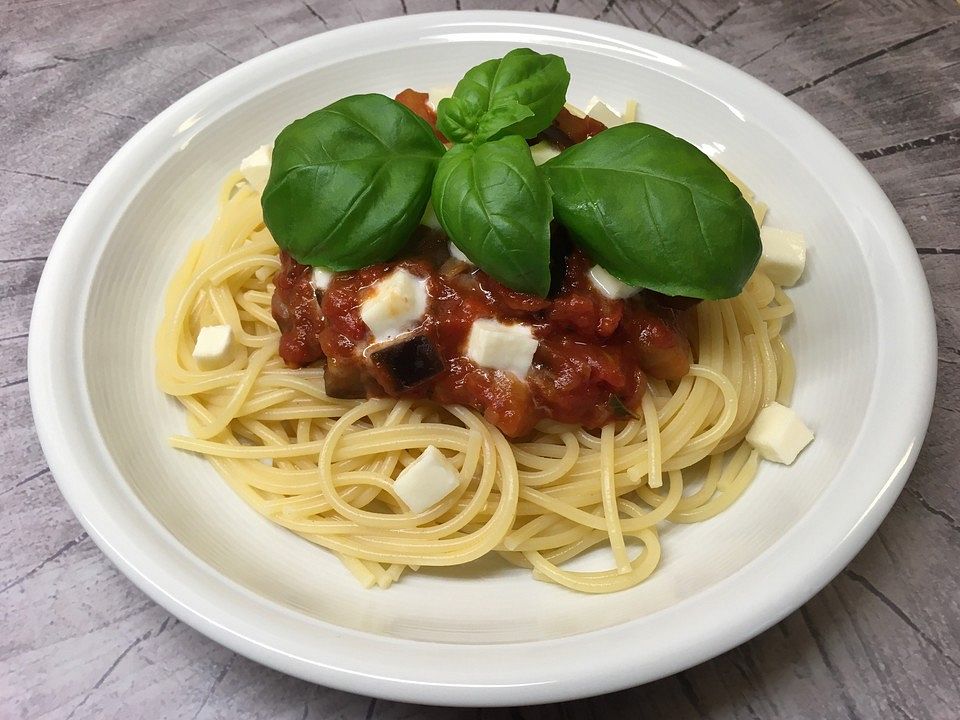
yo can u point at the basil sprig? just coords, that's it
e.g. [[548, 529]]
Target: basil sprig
[[656, 212], [518, 94], [488, 195], [349, 183], [495, 205]]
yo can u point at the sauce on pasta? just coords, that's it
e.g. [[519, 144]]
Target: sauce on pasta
[[590, 367]]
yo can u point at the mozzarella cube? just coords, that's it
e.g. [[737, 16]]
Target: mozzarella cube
[[212, 349], [426, 481], [457, 254], [784, 255], [759, 208], [600, 111], [320, 278], [630, 111], [492, 344], [609, 286], [543, 151], [396, 305], [255, 167], [574, 110], [779, 434], [435, 95]]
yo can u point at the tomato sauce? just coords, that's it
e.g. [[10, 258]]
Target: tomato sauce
[[591, 349], [295, 308], [591, 362]]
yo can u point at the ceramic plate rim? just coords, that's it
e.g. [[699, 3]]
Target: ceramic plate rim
[[519, 673]]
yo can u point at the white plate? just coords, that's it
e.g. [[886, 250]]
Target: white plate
[[864, 340]]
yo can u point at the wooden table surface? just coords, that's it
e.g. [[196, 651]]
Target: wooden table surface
[[78, 78]]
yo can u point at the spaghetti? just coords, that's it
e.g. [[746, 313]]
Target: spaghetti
[[324, 467]]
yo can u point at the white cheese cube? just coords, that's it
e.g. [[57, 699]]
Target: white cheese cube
[[457, 254], [396, 305], [426, 481], [600, 111], [435, 95], [779, 434], [320, 278], [255, 167], [543, 151], [574, 110], [492, 344], [630, 111], [609, 286], [759, 210], [213, 346], [784, 255]]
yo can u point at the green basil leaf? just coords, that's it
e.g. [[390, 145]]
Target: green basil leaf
[[458, 119], [495, 206], [349, 183], [656, 212], [501, 117], [537, 81], [464, 121]]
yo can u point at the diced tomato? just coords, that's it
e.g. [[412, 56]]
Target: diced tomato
[[577, 129], [420, 104]]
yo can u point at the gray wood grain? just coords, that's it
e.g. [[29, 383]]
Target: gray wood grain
[[77, 79]]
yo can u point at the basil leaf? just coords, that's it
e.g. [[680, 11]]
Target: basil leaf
[[458, 119], [349, 183], [495, 206], [656, 212], [463, 121], [501, 117], [536, 81]]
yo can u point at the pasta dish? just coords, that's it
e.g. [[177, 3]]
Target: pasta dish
[[427, 328]]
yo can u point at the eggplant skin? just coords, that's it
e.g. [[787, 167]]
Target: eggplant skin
[[406, 363]]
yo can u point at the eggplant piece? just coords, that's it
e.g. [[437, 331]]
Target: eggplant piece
[[407, 362], [662, 347], [344, 379], [555, 135]]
